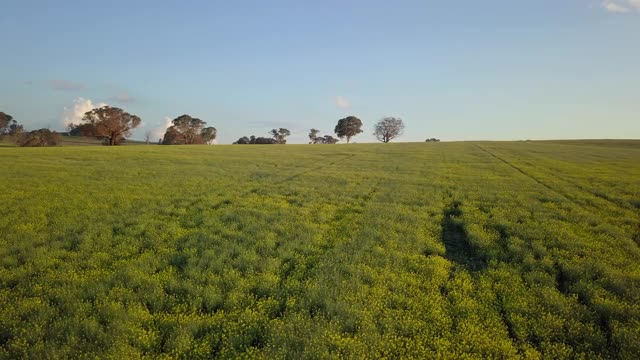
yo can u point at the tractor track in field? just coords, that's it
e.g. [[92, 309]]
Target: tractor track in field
[[253, 190], [586, 190], [635, 237], [578, 186], [540, 182], [305, 172], [337, 239], [522, 172], [458, 250]]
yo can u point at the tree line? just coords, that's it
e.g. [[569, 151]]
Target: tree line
[[113, 126], [385, 130]]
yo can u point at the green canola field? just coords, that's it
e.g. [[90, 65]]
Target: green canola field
[[442, 250]]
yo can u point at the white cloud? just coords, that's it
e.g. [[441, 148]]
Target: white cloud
[[158, 133], [74, 113], [342, 102], [620, 6]]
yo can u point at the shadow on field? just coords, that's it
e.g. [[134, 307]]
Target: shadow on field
[[456, 241]]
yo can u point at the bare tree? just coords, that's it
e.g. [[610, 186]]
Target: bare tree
[[388, 129], [147, 136]]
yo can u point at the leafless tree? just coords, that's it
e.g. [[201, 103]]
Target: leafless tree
[[388, 129]]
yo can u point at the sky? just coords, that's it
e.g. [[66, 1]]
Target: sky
[[454, 70]]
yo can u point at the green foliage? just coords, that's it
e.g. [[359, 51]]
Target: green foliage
[[256, 140], [42, 137], [5, 122], [10, 129], [280, 135], [461, 250], [313, 135], [110, 124], [348, 128], [186, 130], [326, 139]]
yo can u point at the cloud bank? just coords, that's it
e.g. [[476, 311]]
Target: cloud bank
[[73, 114], [158, 133]]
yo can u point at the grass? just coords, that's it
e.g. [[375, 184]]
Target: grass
[[6, 141], [91, 141], [486, 249]]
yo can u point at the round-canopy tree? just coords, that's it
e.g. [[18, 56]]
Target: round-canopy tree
[[348, 127], [209, 134], [111, 124], [388, 129], [188, 130]]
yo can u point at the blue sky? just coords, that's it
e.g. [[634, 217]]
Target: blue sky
[[456, 70]]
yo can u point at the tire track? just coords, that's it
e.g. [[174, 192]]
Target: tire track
[[523, 172], [302, 173], [340, 240], [570, 198], [255, 189], [621, 205], [573, 200]]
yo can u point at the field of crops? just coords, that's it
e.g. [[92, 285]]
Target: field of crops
[[458, 250]]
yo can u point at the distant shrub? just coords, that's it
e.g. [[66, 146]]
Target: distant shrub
[[255, 140], [327, 139], [42, 137], [432, 140]]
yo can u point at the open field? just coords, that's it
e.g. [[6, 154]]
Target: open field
[[484, 249], [6, 141]]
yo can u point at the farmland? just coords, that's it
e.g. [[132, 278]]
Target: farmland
[[472, 249]]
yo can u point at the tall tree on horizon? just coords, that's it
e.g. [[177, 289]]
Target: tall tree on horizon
[[388, 129], [348, 128], [280, 135], [187, 130], [313, 135], [111, 124], [5, 122]]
